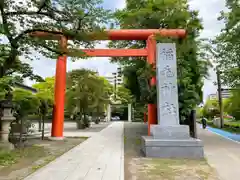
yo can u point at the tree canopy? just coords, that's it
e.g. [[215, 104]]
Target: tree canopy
[[227, 45], [124, 95], [192, 63], [211, 108], [25, 102], [86, 92], [232, 105], [20, 19], [46, 89]]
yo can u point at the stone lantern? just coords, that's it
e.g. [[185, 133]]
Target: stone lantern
[[6, 119]]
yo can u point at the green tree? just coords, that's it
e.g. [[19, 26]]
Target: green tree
[[106, 89], [124, 95], [227, 45], [192, 62], [46, 89], [19, 70], [25, 102], [199, 112], [45, 93], [232, 105], [211, 108], [86, 92], [72, 18], [120, 104]]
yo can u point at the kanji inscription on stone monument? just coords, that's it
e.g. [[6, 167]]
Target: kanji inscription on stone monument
[[167, 84]]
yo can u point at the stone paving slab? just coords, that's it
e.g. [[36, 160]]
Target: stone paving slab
[[70, 129], [222, 154], [101, 157]]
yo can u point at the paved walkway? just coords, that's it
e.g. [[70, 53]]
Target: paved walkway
[[222, 154], [101, 157], [70, 129]]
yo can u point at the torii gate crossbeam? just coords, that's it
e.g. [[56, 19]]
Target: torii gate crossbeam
[[126, 34], [116, 52]]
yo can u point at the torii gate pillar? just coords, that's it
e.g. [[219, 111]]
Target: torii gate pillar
[[151, 59]]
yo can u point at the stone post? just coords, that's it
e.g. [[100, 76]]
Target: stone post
[[109, 112], [129, 112], [169, 139], [6, 119]]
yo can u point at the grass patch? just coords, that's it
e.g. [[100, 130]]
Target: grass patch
[[172, 169], [45, 162], [138, 141], [8, 158]]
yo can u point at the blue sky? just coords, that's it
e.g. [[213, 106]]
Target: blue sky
[[209, 11]]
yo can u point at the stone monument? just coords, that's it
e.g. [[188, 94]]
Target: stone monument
[[169, 139]]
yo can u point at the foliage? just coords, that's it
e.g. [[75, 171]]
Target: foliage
[[232, 126], [228, 126], [8, 158], [227, 45], [199, 112], [192, 62], [228, 54], [124, 95], [46, 90], [71, 18], [211, 109], [232, 105], [6, 83], [104, 99], [24, 103], [86, 92], [139, 110], [19, 70]]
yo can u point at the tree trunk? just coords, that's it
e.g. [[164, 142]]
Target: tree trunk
[[43, 126], [40, 124], [79, 120], [97, 120], [21, 134]]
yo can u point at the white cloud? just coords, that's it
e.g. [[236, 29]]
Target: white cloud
[[209, 11], [121, 4]]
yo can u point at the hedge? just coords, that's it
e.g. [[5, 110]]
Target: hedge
[[231, 126]]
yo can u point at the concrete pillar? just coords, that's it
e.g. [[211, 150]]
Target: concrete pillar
[[129, 112], [109, 112]]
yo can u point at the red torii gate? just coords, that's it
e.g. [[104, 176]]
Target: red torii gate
[[127, 34]]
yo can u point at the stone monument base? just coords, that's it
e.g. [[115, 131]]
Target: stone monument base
[[172, 142]]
